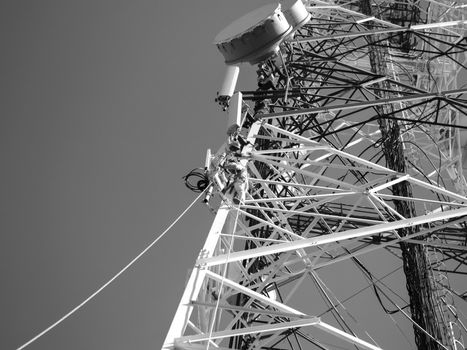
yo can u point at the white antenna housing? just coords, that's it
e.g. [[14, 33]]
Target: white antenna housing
[[235, 113], [295, 13], [255, 36], [228, 85]]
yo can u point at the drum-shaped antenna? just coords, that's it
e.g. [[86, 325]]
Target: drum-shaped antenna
[[255, 36]]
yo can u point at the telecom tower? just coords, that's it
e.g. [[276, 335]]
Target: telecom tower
[[339, 194]]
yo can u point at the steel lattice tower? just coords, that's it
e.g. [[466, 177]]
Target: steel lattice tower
[[352, 150]]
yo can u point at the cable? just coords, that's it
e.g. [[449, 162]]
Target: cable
[[79, 306]]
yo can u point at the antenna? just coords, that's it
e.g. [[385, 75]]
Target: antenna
[[255, 37]]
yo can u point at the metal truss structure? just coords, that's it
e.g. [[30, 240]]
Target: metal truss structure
[[351, 222]]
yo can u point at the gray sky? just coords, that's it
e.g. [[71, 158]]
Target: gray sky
[[105, 106]]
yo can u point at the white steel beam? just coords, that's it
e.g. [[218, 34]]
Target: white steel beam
[[345, 336], [290, 134], [325, 5], [253, 294], [437, 189], [313, 321], [250, 330], [340, 236], [198, 275], [395, 241], [297, 198], [317, 162], [304, 213], [188, 346], [184, 310], [189, 342], [362, 104], [305, 172], [243, 310], [389, 184], [418, 27], [298, 185]]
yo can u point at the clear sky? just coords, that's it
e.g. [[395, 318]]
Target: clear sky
[[106, 105]]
